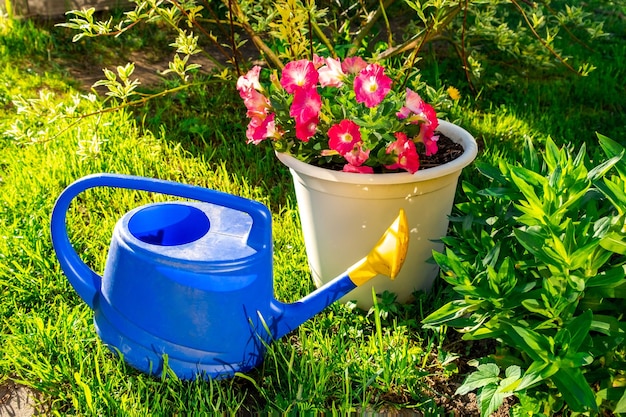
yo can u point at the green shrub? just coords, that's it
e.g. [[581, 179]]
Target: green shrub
[[537, 263], [495, 38]]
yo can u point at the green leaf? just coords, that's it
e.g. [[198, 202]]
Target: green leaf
[[578, 330], [483, 332], [607, 325], [454, 271], [616, 291], [575, 389], [450, 311], [505, 279], [511, 380], [614, 242], [535, 306], [537, 372], [490, 399], [530, 157], [535, 345], [520, 178], [490, 172], [612, 277], [601, 170], [529, 176], [535, 243], [499, 192], [620, 407], [487, 373], [552, 154], [614, 193], [611, 149]]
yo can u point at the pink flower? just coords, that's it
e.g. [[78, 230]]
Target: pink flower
[[363, 169], [343, 136], [431, 116], [405, 154], [256, 103], [417, 110], [428, 137], [250, 91], [413, 101], [353, 65], [306, 105], [318, 61], [403, 113], [261, 128], [430, 142], [298, 74], [306, 129], [357, 156], [331, 73], [372, 85]]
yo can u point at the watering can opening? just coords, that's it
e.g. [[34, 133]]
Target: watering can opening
[[169, 224]]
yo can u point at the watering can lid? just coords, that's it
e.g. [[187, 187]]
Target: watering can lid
[[225, 240]]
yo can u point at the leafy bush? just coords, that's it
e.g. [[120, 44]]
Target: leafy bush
[[537, 263], [487, 35]]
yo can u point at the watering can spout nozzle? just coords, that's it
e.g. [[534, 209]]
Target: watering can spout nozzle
[[387, 256]]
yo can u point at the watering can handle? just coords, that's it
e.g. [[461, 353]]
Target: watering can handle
[[87, 282]]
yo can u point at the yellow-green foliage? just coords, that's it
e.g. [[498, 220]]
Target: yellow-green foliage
[[292, 28]]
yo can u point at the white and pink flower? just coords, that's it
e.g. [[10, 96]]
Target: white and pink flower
[[371, 85], [331, 74], [299, 74]]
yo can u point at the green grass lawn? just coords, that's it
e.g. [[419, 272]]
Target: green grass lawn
[[339, 360]]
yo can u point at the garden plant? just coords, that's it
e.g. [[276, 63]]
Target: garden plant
[[533, 273], [538, 265]]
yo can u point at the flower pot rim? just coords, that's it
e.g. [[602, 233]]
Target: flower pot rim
[[454, 132]]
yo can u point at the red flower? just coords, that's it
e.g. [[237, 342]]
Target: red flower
[[306, 105], [431, 116], [344, 136], [306, 129]]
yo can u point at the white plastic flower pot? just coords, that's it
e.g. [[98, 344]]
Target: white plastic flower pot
[[344, 214]]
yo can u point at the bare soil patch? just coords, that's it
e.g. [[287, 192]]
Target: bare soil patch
[[19, 401]]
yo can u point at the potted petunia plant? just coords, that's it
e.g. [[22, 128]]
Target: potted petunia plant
[[354, 140], [328, 112]]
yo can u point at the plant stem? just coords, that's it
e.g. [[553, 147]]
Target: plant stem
[[368, 27], [540, 39], [320, 34], [124, 105], [420, 39], [271, 57]]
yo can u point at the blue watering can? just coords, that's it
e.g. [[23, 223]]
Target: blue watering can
[[193, 280]]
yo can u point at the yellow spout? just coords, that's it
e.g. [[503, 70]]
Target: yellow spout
[[387, 256]]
